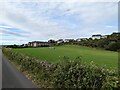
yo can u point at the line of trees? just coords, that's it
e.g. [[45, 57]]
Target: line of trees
[[111, 42]]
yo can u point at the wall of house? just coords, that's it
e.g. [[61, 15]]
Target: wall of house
[[97, 37], [35, 44]]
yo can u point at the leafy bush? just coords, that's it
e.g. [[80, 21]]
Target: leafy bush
[[78, 75], [113, 46], [67, 74]]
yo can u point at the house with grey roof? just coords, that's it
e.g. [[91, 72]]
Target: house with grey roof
[[38, 44], [97, 36]]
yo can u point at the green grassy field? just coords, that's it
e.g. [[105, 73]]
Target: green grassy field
[[100, 57]]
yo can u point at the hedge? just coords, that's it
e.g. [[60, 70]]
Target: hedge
[[67, 74]]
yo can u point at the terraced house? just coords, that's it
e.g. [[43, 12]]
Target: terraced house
[[38, 44]]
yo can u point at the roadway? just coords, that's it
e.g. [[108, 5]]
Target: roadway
[[0, 69], [12, 77]]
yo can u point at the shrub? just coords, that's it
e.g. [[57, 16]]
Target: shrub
[[114, 46], [78, 75]]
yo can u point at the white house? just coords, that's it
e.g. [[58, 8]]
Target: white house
[[60, 41], [104, 36], [97, 36], [83, 39], [78, 40], [68, 40]]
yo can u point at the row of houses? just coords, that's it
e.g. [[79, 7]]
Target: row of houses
[[37, 44], [97, 36], [51, 42]]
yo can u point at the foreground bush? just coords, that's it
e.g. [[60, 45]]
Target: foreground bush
[[68, 74]]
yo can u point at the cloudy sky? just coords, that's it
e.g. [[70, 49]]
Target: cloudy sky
[[21, 22]]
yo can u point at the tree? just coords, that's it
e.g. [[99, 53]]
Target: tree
[[52, 42], [114, 46]]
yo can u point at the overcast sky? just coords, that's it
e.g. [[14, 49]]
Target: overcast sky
[[21, 22]]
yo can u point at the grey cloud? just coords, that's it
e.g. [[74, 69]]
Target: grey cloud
[[12, 33]]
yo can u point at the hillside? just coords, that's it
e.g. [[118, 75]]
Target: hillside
[[86, 54]]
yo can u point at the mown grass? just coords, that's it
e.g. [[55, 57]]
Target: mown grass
[[55, 55]]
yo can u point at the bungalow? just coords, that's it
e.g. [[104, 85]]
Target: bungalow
[[60, 41], [97, 36], [104, 36], [69, 40], [116, 33], [83, 39], [78, 40]]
